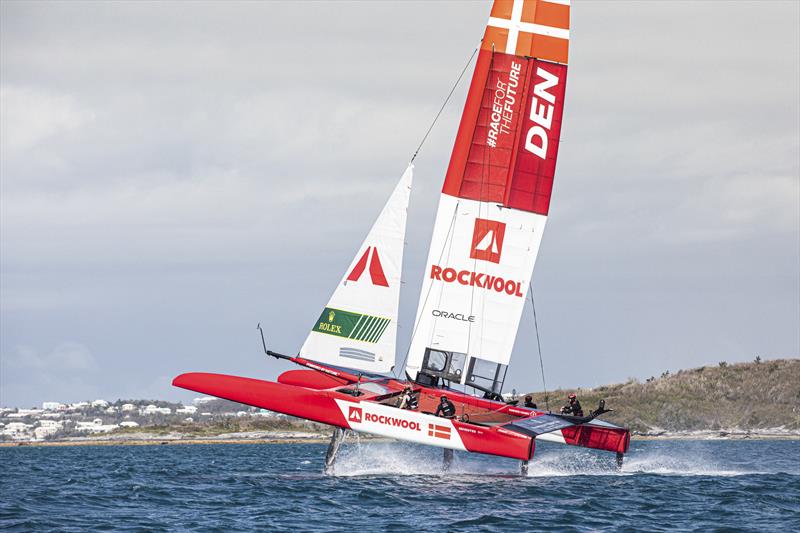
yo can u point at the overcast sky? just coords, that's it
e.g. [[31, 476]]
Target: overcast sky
[[173, 174]]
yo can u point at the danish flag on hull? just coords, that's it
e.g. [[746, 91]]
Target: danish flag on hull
[[497, 190]]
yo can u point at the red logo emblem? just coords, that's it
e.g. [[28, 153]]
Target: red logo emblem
[[487, 240], [375, 269], [354, 415], [440, 432]]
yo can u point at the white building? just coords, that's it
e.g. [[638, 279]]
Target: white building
[[189, 410], [41, 433], [128, 407], [101, 404], [203, 399], [53, 406], [47, 428], [153, 410], [95, 426], [17, 431], [17, 427], [128, 424]]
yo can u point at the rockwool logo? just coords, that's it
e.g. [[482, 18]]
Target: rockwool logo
[[487, 240], [375, 269], [354, 415]]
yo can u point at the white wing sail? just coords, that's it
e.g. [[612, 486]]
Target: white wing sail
[[495, 199], [358, 327]]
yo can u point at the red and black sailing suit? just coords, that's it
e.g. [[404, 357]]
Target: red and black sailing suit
[[446, 409], [574, 409]]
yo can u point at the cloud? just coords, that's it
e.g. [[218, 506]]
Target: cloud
[[32, 115], [66, 357], [168, 176]]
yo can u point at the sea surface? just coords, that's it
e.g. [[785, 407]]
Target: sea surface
[[663, 486]]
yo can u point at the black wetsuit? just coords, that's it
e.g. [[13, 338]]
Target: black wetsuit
[[573, 409], [530, 405], [446, 409]]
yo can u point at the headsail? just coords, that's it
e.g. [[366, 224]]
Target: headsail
[[495, 199], [358, 327]]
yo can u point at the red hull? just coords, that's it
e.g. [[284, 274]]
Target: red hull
[[329, 399]]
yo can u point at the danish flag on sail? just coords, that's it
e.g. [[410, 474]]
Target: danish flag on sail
[[496, 194]]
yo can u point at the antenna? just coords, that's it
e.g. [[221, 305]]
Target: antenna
[[263, 342]]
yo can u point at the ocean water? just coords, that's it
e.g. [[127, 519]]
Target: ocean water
[[663, 486]]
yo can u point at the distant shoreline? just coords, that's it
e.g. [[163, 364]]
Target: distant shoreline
[[321, 439]]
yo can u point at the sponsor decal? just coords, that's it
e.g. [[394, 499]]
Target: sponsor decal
[[455, 316], [360, 355], [477, 279], [322, 369], [440, 432], [541, 115], [376, 274], [487, 240], [351, 325], [354, 415], [501, 119], [391, 421]]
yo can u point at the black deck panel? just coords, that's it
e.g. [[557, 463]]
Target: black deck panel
[[538, 425]]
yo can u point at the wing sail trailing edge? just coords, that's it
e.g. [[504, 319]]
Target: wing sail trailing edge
[[358, 327], [495, 199]]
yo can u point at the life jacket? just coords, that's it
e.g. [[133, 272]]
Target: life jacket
[[413, 403], [447, 409]]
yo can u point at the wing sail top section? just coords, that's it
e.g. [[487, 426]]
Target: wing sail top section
[[496, 196], [358, 327]]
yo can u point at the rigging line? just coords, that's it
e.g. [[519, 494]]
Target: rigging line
[[445, 103], [485, 170], [539, 347], [428, 293]]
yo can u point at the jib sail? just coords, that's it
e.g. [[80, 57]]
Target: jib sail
[[358, 327], [495, 198]]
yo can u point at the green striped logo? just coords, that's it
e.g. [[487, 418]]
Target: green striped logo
[[351, 325]]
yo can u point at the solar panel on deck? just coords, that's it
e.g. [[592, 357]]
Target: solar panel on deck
[[539, 425]]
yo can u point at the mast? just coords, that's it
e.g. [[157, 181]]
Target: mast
[[495, 199]]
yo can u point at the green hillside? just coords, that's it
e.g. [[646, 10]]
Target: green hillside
[[746, 396]]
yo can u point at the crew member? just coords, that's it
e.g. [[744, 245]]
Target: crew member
[[405, 399], [445, 408], [413, 402], [573, 407], [529, 402], [489, 395]]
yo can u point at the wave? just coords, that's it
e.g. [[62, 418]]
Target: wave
[[398, 459]]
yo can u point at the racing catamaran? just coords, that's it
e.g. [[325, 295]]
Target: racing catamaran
[[492, 212]]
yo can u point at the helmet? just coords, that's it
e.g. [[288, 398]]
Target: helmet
[[443, 397], [572, 396]]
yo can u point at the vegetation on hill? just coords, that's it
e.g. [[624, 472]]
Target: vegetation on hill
[[746, 396]]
